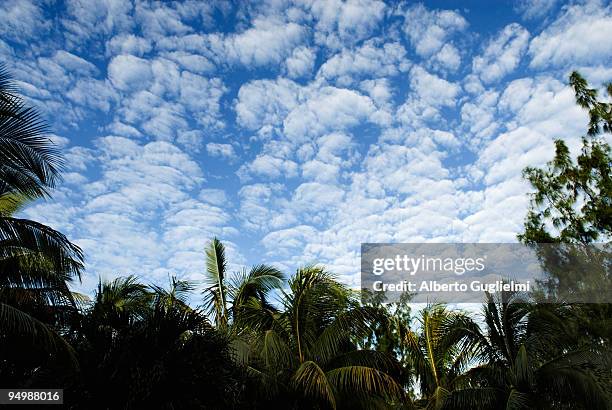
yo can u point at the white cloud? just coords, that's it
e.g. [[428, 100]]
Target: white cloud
[[268, 166], [535, 9], [480, 117], [320, 171], [173, 98], [596, 75], [330, 154], [159, 19], [448, 58], [547, 106], [127, 221], [220, 150], [379, 90], [128, 44], [192, 223], [129, 73], [511, 152], [74, 64], [169, 162], [430, 30], [397, 164], [340, 22], [301, 62], [213, 196], [502, 55], [85, 20], [59, 141], [538, 112], [202, 97], [191, 62], [95, 94], [417, 113], [154, 115], [432, 89], [370, 60], [121, 129], [516, 94], [21, 20], [264, 43], [257, 203], [263, 102], [334, 148], [339, 217], [287, 240], [167, 78], [315, 197], [581, 35], [328, 109], [78, 158], [267, 40], [191, 139], [404, 191]]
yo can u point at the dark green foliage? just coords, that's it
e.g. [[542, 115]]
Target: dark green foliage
[[36, 262], [533, 357], [151, 351], [565, 356], [574, 198], [306, 355]]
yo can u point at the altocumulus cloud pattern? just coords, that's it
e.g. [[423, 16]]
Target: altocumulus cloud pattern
[[294, 130]]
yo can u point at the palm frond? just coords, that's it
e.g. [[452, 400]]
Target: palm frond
[[518, 401], [11, 203], [314, 302], [120, 301], [473, 398], [367, 358], [21, 235], [7, 84], [353, 323], [582, 374], [362, 380], [275, 352], [215, 293], [177, 295], [257, 283], [30, 160], [311, 381], [18, 323]]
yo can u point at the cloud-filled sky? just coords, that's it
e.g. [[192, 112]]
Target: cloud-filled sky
[[295, 130]]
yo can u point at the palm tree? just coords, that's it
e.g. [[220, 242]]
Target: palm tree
[[535, 356], [119, 303], [440, 350], [224, 296], [306, 354], [36, 262], [152, 350], [176, 296]]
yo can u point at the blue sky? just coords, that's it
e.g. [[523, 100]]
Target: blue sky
[[295, 130]]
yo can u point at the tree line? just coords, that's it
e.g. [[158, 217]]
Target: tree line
[[260, 339]]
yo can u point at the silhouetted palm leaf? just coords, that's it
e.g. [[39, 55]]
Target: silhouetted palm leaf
[[20, 324], [29, 161], [215, 300]]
